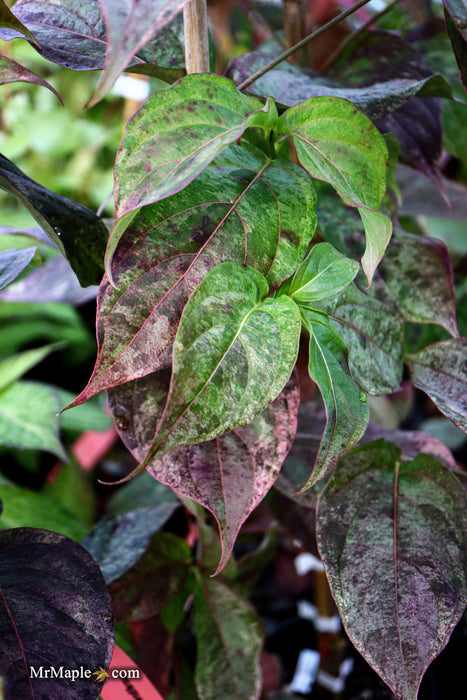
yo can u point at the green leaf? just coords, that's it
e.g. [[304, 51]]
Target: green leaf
[[440, 370], [182, 128], [73, 488], [233, 354], [325, 272], [76, 231], [337, 143], [129, 26], [11, 72], [90, 416], [373, 334], [243, 208], [391, 536], [230, 475], [14, 367], [456, 25], [24, 508], [229, 643], [154, 581], [28, 418], [347, 413], [12, 263], [7, 19]]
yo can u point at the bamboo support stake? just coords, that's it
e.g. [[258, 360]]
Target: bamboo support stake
[[195, 19]]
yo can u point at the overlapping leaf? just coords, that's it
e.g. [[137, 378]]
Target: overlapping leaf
[[229, 643], [230, 475], [338, 144], [54, 612], [440, 370], [13, 262], [392, 538], [373, 335], [129, 25], [243, 208], [347, 412], [233, 354], [456, 25], [325, 272], [77, 232], [8, 19], [11, 72]]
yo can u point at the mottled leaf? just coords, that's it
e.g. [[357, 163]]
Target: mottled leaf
[[7, 19], [54, 612], [230, 475], [340, 145], [28, 418], [347, 412], [373, 335], [418, 272], [392, 539], [229, 640], [13, 367], [440, 370], [54, 281], [77, 232], [129, 25], [26, 508], [11, 72], [117, 542], [233, 354], [322, 274], [456, 25], [13, 262], [155, 580], [243, 208]]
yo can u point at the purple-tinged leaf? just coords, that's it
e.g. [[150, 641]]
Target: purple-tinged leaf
[[373, 335], [234, 352], [154, 581], [243, 208], [54, 612], [8, 20], [418, 272], [13, 262], [77, 232], [11, 72], [230, 475], [440, 370], [229, 640], [392, 537], [338, 144], [347, 412], [129, 25], [54, 281], [117, 542], [456, 25]]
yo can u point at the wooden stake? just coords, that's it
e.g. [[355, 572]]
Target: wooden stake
[[195, 19]]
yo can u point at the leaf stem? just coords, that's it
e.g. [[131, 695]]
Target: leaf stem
[[348, 39], [302, 43], [195, 20]]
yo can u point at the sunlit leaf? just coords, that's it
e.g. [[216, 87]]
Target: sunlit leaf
[[54, 612], [392, 538], [77, 232], [11, 72], [440, 370], [373, 335], [13, 367], [156, 579], [129, 25], [229, 642], [337, 143], [322, 274], [233, 354], [230, 475], [28, 418], [347, 412], [13, 262], [243, 208]]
